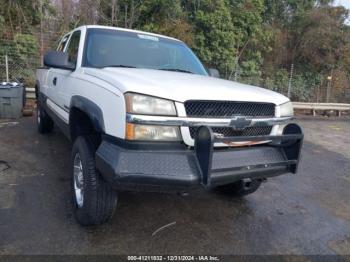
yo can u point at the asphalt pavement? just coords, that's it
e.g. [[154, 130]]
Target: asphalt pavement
[[307, 213]]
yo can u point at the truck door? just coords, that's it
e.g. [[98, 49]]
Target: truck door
[[59, 95], [52, 72]]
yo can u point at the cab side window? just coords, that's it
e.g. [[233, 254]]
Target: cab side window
[[73, 47]]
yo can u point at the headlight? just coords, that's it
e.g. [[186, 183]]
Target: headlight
[[148, 132], [147, 105], [286, 109]]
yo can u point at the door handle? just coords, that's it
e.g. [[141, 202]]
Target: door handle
[[54, 81]]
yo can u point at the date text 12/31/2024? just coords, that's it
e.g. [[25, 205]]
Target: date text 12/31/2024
[[173, 258]]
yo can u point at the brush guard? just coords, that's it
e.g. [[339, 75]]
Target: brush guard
[[222, 166]]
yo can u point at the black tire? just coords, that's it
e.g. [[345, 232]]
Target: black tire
[[240, 188], [44, 122], [99, 199]]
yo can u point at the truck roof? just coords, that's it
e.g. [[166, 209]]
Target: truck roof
[[129, 30]]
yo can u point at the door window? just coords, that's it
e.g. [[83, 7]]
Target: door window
[[73, 47], [63, 43]]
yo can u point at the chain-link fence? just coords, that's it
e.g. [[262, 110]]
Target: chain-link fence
[[21, 53], [303, 86], [13, 69]]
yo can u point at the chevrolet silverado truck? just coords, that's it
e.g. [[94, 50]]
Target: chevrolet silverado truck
[[143, 113]]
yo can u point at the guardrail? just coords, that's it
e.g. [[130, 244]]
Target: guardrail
[[30, 92], [339, 108]]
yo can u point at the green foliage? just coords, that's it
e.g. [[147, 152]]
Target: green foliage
[[157, 11], [24, 14], [304, 85], [2, 24], [251, 41], [165, 17], [214, 35], [247, 17], [26, 45]]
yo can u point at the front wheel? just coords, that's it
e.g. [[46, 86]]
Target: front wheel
[[240, 188], [94, 200]]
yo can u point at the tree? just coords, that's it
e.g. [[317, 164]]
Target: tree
[[165, 17], [214, 40], [252, 41], [21, 15], [251, 35], [323, 41]]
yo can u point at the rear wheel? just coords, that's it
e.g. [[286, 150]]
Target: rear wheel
[[240, 188], [94, 200], [44, 122]]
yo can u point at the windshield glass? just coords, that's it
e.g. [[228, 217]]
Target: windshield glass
[[108, 48]]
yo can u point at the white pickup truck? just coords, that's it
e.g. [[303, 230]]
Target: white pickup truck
[[145, 114]]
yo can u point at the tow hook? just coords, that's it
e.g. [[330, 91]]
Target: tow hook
[[246, 183], [183, 193]]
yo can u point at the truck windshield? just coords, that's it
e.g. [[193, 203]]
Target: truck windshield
[[113, 48]]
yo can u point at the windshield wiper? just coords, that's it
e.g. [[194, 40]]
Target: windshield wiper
[[176, 70], [123, 66]]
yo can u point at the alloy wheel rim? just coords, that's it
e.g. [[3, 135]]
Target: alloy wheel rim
[[78, 180]]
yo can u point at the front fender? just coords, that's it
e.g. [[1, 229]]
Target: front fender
[[91, 109]]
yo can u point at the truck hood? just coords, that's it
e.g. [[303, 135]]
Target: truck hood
[[183, 86]]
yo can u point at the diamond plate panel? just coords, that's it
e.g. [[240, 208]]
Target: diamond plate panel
[[156, 163], [241, 158]]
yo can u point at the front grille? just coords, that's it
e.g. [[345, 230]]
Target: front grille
[[227, 109], [229, 131]]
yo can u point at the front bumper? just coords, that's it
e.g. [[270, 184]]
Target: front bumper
[[177, 169]]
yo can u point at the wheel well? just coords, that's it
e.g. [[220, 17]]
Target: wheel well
[[80, 124]]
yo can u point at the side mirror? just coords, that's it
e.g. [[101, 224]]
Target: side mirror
[[214, 72], [57, 59]]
